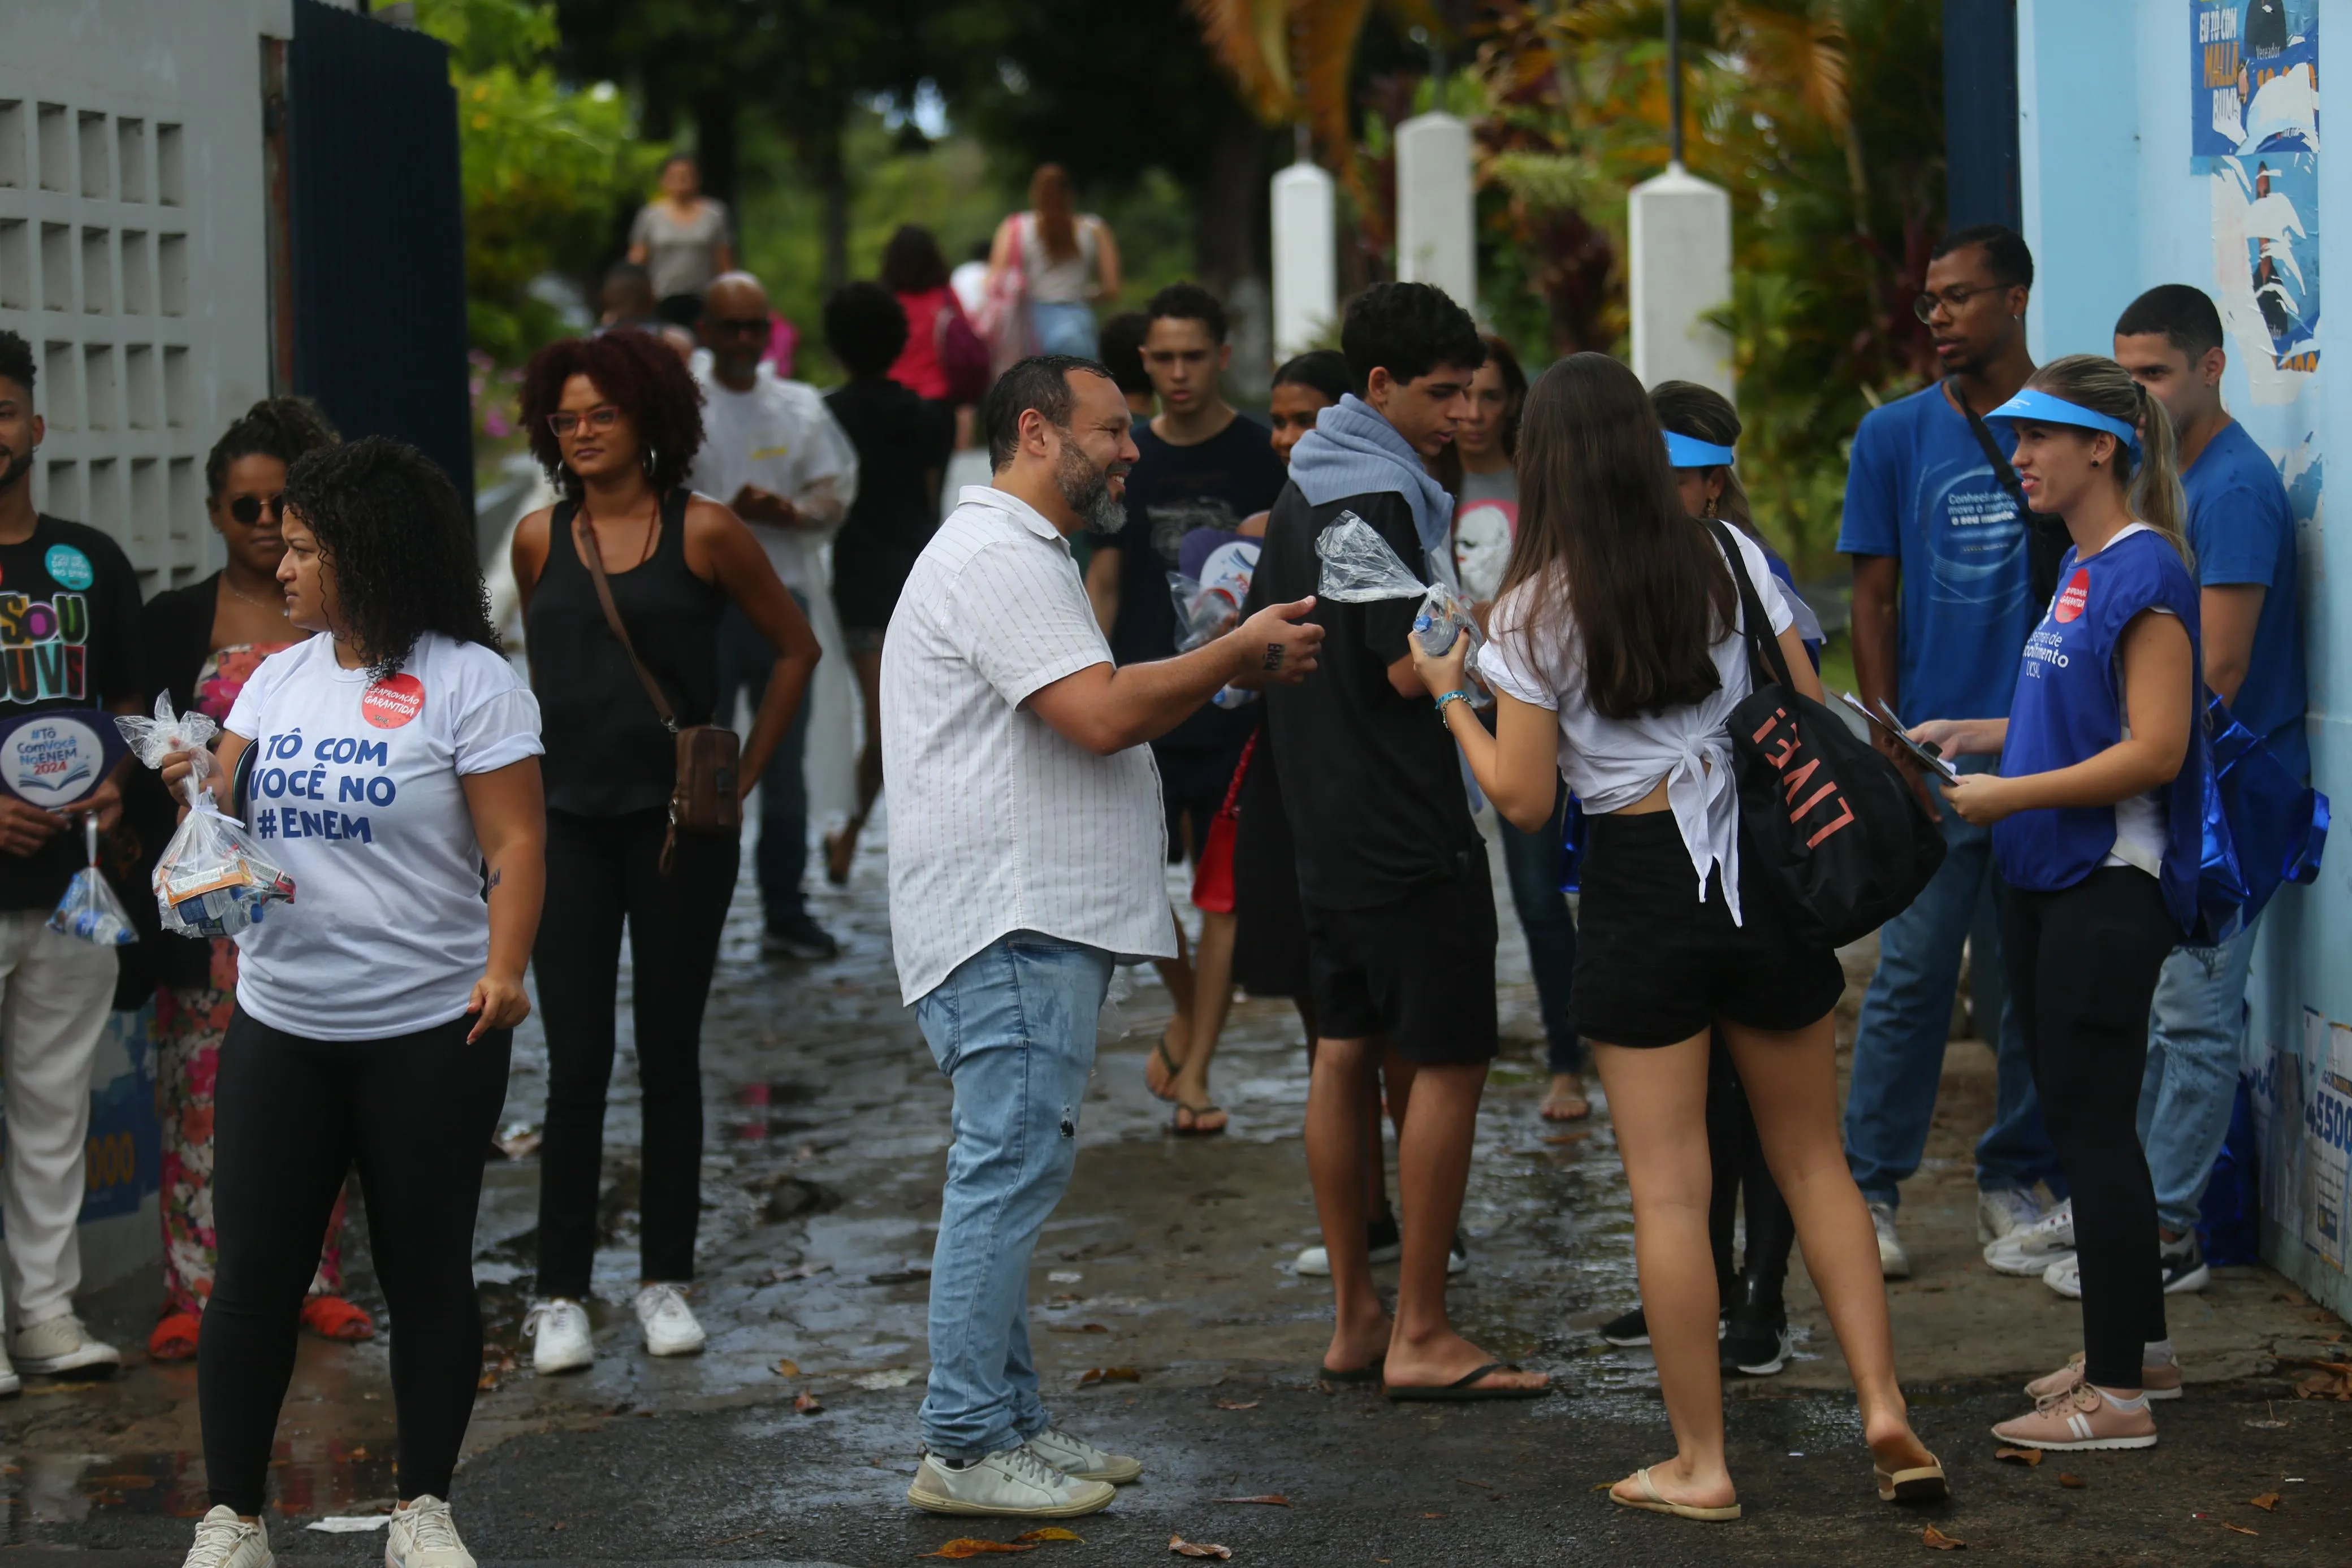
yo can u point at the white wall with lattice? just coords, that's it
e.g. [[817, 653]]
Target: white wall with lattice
[[133, 252]]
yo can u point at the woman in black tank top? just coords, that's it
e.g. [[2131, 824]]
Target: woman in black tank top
[[616, 420]]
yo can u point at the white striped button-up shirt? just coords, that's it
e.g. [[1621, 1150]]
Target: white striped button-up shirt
[[998, 822]]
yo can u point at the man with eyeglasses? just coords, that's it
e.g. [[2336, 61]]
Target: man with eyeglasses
[[69, 638], [772, 452], [1943, 599]]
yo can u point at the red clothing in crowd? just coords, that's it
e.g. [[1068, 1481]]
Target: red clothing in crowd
[[918, 366]]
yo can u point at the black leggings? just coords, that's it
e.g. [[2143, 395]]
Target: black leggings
[[291, 1117], [599, 871], [1737, 1153], [2082, 963]]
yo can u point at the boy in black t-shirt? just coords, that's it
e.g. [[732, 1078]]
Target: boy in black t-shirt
[[69, 638], [1399, 906]]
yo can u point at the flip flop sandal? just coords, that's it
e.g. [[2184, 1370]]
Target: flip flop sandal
[[1176, 1122], [174, 1338], [1368, 1373], [1465, 1390], [1658, 1502], [331, 1317], [1924, 1483], [1160, 1053]]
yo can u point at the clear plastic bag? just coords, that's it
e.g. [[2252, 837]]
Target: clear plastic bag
[[1360, 568], [89, 909], [215, 878], [1203, 614]]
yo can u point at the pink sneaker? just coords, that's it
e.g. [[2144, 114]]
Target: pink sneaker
[[2158, 1380], [2079, 1417]]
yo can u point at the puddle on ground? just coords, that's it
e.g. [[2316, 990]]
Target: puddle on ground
[[306, 1479]]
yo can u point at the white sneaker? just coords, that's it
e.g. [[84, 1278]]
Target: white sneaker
[[669, 1325], [10, 1383], [2032, 1250], [1012, 1483], [62, 1344], [224, 1540], [1382, 1244], [1076, 1457], [422, 1535], [1893, 1261], [559, 1329], [1999, 1213]]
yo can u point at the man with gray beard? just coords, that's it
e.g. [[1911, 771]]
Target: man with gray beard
[[1026, 847]]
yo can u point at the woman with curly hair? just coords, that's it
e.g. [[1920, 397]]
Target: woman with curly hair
[[616, 420], [392, 768], [202, 643]]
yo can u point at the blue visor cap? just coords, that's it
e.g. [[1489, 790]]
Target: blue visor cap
[[2041, 408], [1689, 451]]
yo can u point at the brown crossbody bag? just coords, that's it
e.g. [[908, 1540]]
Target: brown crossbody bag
[[703, 802]]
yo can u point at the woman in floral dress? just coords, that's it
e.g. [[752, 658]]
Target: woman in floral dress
[[203, 641]]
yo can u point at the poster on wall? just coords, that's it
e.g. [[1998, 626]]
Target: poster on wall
[[2254, 78]]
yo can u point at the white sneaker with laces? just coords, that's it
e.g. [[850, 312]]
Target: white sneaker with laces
[[1999, 1213], [669, 1323], [559, 1331], [1076, 1457], [422, 1535], [2031, 1250], [1893, 1261], [62, 1344], [1012, 1483], [224, 1540]]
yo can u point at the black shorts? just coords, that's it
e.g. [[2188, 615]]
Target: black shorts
[[1420, 972], [1654, 965], [1192, 783]]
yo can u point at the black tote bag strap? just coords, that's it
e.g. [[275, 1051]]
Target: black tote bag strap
[[1763, 648], [2002, 471]]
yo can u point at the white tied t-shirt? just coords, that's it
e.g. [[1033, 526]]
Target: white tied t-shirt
[[1613, 763], [356, 789]]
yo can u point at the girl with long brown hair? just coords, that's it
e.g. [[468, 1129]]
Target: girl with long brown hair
[[1617, 657], [1057, 261]]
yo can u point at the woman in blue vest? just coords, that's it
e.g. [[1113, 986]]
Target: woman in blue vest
[[2098, 837]]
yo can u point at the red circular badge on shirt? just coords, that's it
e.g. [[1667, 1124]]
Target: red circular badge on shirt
[[393, 701], [2070, 603]]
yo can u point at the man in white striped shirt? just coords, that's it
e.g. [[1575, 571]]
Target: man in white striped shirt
[[1026, 852]]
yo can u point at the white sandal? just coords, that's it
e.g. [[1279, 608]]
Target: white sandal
[[1660, 1503]]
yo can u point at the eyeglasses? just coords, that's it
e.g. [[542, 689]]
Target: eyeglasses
[[1954, 299], [603, 418], [741, 326], [248, 509]]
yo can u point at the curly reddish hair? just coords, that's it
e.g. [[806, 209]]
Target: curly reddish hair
[[643, 378]]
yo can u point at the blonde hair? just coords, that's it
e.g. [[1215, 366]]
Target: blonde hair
[[2152, 486]]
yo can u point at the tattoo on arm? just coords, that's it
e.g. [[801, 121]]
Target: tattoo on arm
[[496, 877], [1274, 652]]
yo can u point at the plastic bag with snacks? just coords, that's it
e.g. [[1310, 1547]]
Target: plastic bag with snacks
[[89, 909], [215, 878]]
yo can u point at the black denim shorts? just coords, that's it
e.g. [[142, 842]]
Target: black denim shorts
[[1654, 965]]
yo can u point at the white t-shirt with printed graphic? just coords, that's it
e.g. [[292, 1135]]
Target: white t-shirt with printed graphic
[[356, 789]]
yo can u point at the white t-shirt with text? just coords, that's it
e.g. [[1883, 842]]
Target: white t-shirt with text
[[356, 789]]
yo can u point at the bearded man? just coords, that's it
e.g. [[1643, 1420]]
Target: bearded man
[[1026, 848]]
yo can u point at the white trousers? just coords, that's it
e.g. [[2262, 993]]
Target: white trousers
[[55, 994]]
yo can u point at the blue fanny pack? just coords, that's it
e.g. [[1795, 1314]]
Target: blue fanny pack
[[2264, 826]]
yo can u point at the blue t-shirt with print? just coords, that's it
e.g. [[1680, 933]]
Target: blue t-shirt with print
[[2242, 531], [1919, 488]]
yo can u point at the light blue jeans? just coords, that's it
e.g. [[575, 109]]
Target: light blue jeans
[[1014, 1030], [1898, 1044], [1063, 327], [2196, 1036]]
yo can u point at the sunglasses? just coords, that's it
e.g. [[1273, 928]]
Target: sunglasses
[[603, 418], [248, 509]]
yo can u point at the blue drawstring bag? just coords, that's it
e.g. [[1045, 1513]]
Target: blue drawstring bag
[[2264, 826]]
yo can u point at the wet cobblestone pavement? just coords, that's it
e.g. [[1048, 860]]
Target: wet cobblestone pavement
[[1172, 1258]]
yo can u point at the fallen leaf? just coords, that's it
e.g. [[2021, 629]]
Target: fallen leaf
[[1095, 1375], [1600, 1486], [900, 1276], [1273, 1499], [888, 1377], [1432, 1516], [2072, 1482], [966, 1546], [2238, 1528], [1466, 1481], [1082, 1328], [1183, 1547], [1238, 1403], [1573, 1137], [788, 1369], [1052, 1533], [808, 1403], [2019, 1456], [2266, 1502], [1938, 1541]]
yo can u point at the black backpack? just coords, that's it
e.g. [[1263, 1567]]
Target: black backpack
[[1834, 825]]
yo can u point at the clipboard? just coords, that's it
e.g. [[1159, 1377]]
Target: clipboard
[[1928, 757]]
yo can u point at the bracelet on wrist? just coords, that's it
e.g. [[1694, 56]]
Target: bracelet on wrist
[[1457, 695]]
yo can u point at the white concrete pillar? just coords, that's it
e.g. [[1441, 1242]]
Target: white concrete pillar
[[1437, 210], [1306, 258], [1681, 229]]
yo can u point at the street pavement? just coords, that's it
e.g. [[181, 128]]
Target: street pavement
[[1169, 1323]]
